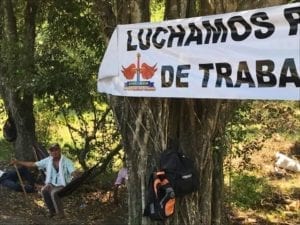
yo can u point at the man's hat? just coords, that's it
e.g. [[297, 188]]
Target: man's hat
[[54, 147]]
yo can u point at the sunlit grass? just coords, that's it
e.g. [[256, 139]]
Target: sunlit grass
[[39, 202], [5, 150], [247, 191]]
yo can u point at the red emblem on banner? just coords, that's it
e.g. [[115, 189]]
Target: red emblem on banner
[[145, 71]]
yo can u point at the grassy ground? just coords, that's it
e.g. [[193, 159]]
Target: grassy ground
[[93, 203], [262, 196], [254, 197], [5, 150]]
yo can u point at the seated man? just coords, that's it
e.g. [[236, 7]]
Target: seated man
[[59, 172], [121, 179], [11, 180]]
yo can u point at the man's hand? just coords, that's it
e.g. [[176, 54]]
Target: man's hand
[[14, 162]]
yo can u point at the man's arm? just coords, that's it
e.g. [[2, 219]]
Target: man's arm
[[23, 163]]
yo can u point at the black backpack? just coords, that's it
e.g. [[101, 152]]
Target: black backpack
[[180, 171], [10, 130], [161, 197]]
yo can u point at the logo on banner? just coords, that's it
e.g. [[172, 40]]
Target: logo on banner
[[143, 73]]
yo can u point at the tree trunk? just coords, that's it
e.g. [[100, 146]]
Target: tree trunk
[[18, 64], [145, 124]]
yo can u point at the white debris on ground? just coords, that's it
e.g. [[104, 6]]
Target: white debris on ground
[[285, 162]]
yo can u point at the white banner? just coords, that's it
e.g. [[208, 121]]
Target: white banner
[[252, 54]]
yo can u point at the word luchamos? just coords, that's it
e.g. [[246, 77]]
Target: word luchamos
[[204, 32]]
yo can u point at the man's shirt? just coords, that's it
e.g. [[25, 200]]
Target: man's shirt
[[122, 176], [67, 166], [1, 173]]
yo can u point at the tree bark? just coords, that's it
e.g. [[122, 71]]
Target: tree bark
[[145, 124], [19, 63]]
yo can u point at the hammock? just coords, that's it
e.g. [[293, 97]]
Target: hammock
[[90, 173], [76, 182], [39, 152]]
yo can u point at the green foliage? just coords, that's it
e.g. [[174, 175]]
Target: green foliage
[[17, 56], [69, 47], [255, 121], [157, 8], [247, 191], [91, 135], [44, 117], [256, 118], [5, 150]]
